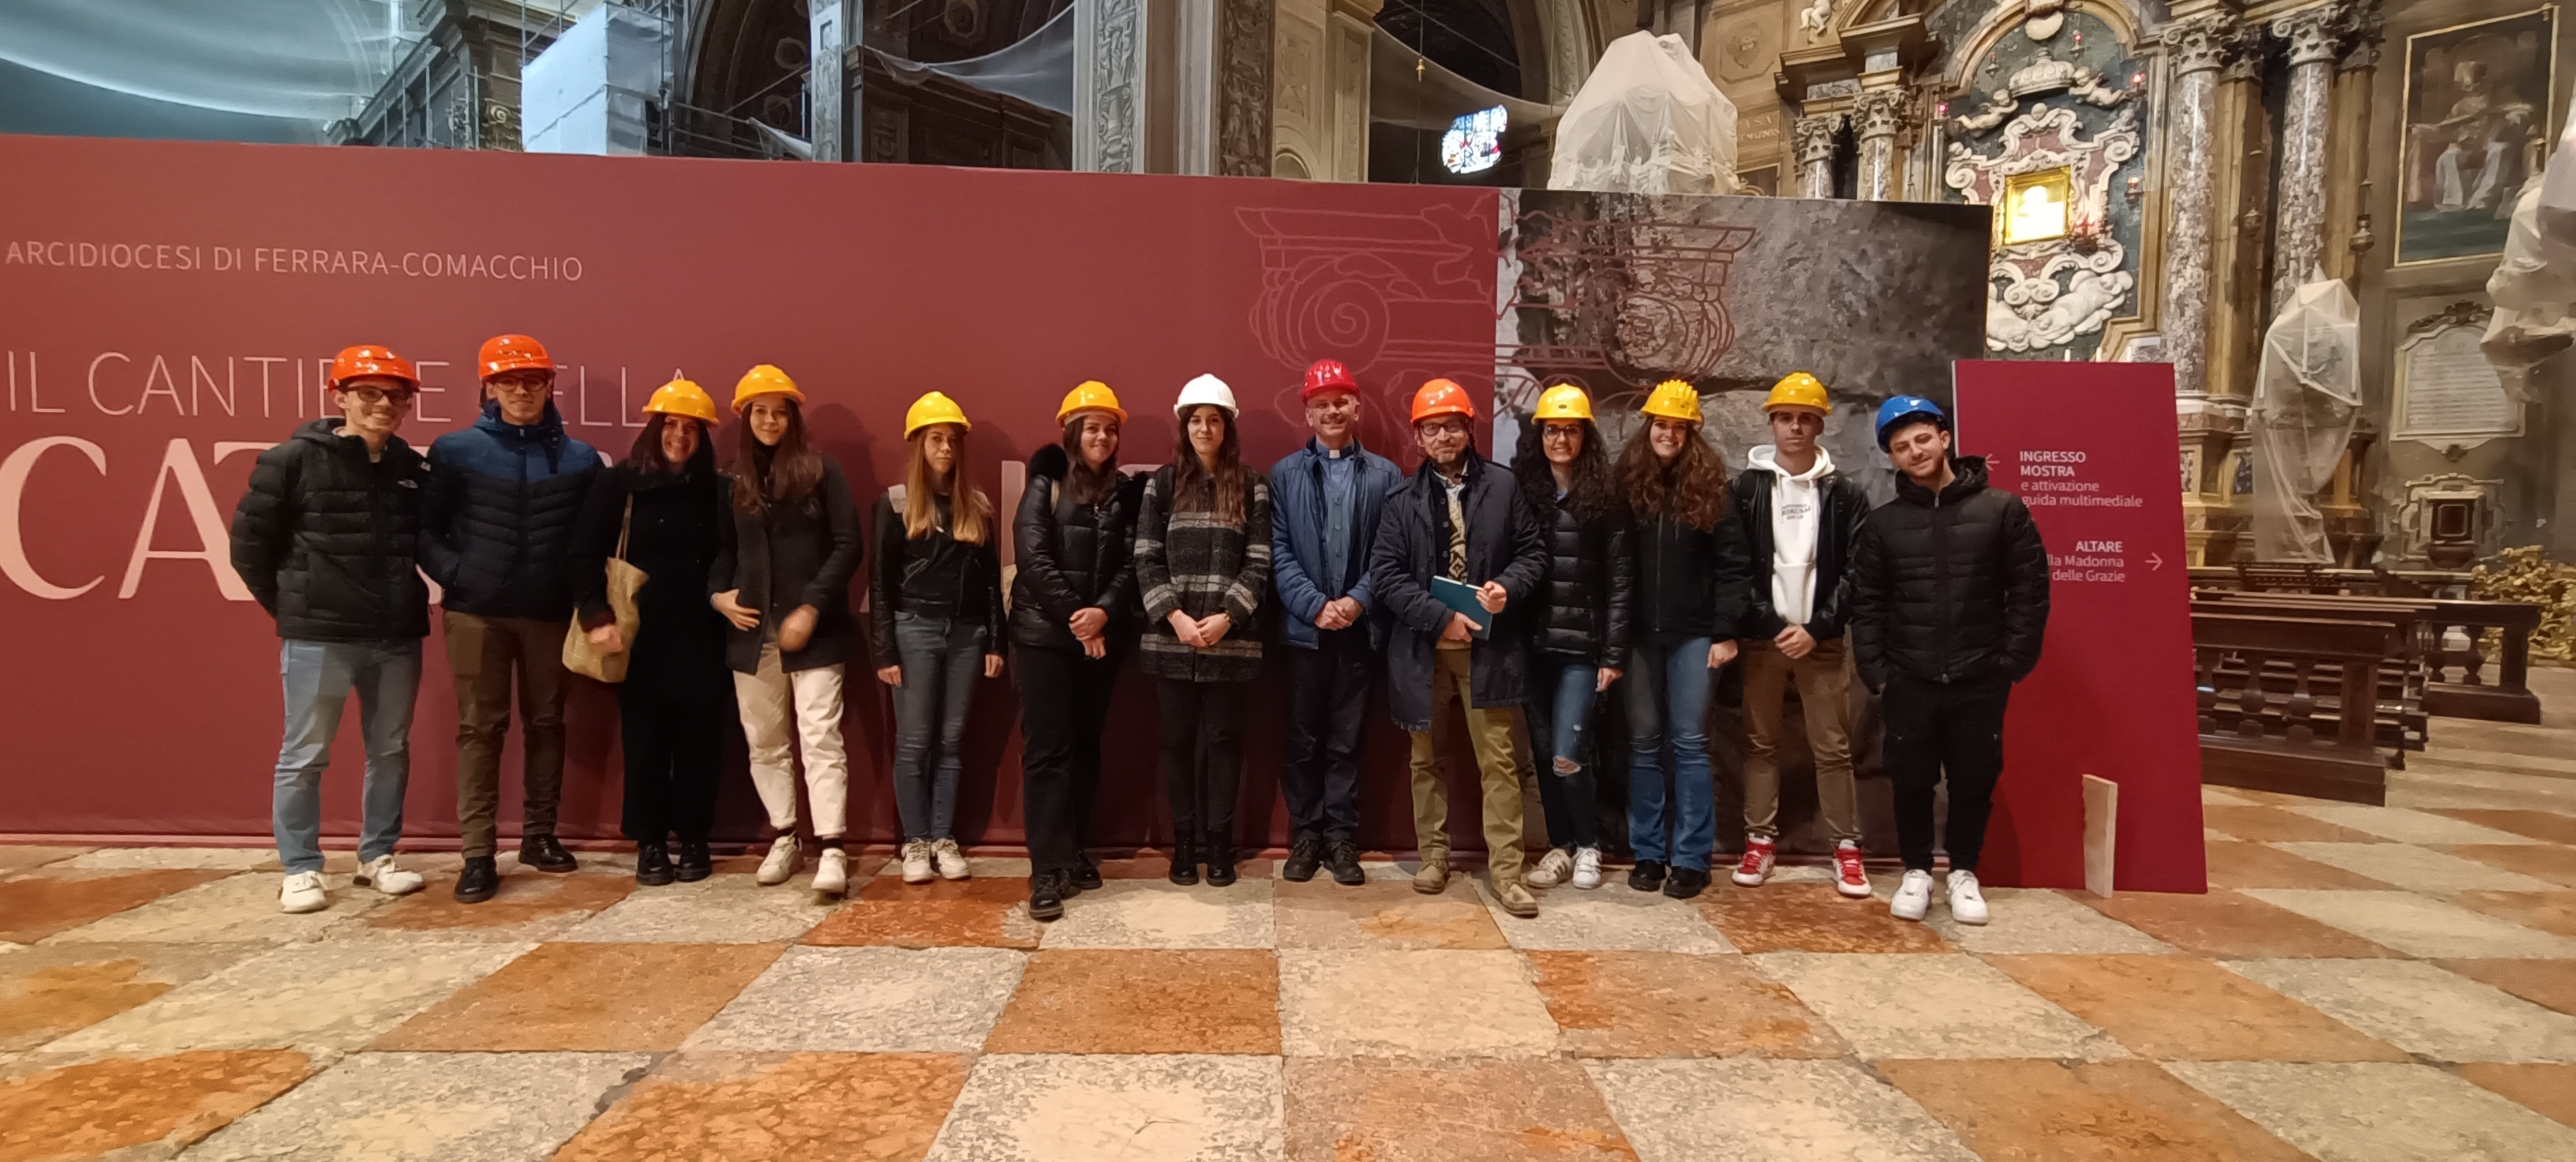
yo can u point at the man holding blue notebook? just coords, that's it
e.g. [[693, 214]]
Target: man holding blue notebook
[[1459, 527]]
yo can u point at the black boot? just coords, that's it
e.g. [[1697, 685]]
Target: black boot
[[1220, 860], [652, 865], [480, 880], [1185, 862], [1685, 882], [540, 851], [695, 863], [1085, 878], [1305, 853], [1046, 895], [1344, 858], [1647, 876]]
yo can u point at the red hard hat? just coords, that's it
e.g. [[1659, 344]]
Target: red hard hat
[[1328, 375], [1440, 397], [370, 359], [513, 353]]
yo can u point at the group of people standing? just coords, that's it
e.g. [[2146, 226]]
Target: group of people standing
[[1542, 584]]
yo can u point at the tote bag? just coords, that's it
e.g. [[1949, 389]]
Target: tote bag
[[624, 579]]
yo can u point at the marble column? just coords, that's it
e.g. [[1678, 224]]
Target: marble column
[[1877, 118], [2316, 37], [2198, 48], [1813, 139]]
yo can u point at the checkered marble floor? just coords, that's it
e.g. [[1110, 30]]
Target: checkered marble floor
[[2361, 983]]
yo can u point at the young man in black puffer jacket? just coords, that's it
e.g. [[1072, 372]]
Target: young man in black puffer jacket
[[1949, 606], [505, 495]]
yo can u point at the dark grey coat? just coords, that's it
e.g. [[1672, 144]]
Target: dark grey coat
[[1503, 544]]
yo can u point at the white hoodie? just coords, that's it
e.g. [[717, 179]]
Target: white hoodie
[[1797, 511]]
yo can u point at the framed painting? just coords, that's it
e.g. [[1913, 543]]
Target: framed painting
[[2476, 126]]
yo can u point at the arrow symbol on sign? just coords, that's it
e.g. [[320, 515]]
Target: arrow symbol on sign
[[2154, 562]]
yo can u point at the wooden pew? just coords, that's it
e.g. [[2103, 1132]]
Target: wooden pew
[[2455, 679], [2403, 721], [2300, 742]]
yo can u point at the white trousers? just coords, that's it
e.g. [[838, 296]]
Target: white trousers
[[807, 703]]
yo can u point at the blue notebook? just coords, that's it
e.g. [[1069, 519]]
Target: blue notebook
[[1462, 597]]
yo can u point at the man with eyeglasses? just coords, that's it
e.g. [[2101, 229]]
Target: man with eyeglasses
[[325, 540], [504, 495], [1325, 500]]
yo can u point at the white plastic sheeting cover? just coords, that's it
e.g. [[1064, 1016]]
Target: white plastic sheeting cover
[[1648, 121], [2307, 394], [587, 92], [1037, 68], [2534, 287], [318, 60], [1432, 97]]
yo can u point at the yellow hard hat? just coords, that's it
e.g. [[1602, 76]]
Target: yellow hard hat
[[1798, 390], [763, 380], [1563, 402], [682, 398], [1090, 395], [934, 408], [1675, 400]]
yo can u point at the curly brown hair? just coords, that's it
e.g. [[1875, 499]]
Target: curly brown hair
[[1692, 489]]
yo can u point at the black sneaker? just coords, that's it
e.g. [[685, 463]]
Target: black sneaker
[[1686, 882], [695, 863], [1647, 876], [1085, 878], [1046, 895], [1344, 858], [1304, 853], [653, 865], [480, 881], [542, 852]]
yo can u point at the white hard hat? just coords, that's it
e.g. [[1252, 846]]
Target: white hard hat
[[1205, 389]]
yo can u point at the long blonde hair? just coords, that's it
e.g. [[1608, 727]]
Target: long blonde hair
[[970, 511]]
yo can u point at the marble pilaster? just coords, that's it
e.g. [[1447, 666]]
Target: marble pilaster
[[2198, 48], [1813, 139], [2316, 37], [1878, 116]]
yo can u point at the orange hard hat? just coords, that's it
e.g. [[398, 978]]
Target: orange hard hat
[[1442, 397], [503, 353], [370, 359]]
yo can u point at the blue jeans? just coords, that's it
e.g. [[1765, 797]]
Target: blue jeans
[[318, 677], [1667, 685], [1565, 786], [942, 657]]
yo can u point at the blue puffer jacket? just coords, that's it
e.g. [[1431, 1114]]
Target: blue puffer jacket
[[503, 502]]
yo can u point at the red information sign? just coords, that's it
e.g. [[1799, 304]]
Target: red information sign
[[2090, 448]]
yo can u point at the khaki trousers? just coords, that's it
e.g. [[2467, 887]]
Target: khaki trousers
[[805, 705], [484, 654], [1824, 692], [1491, 733]]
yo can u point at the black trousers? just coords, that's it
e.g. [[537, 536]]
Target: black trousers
[[1937, 730], [1064, 703], [1202, 756], [1328, 698], [673, 746]]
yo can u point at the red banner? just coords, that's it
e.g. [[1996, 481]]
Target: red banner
[[2089, 447]]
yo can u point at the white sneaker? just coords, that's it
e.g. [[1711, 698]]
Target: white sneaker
[[781, 861], [952, 859], [387, 876], [1551, 870], [916, 862], [303, 893], [1587, 868], [1913, 896], [832, 871], [1967, 904]]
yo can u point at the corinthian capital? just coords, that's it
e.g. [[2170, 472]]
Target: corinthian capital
[[2207, 42], [1813, 137], [1882, 112], [2318, 34], [2361, 49]]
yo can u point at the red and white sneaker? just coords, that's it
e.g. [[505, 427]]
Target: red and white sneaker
[[1849, 877], [1755, 867]]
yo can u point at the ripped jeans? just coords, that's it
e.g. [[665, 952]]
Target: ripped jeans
[[1565, 786]]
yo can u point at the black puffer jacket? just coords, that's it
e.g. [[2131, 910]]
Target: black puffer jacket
[[1691, 582], [1949, 588], [1846, 507], [502, 503], [679, 647], [1071, 556], [1591, 593], [789, 554], [326, 539]]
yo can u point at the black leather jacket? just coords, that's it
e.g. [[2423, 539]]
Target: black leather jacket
[[1837, 536]]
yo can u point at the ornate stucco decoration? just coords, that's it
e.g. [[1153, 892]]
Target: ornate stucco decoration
[[1813, 137], [2207, 42], [2042, 18], [2044, 294]]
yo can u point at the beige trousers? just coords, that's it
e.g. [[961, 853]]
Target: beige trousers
[[806, 704], [1824, 693], [1490, 732]]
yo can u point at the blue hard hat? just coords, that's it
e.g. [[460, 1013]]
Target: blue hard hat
[[1904, 409]]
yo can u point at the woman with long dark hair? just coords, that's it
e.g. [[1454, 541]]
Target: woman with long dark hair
[[1203, 561], [657, 510], [935, 604], [1693, 577], [1579, 635], [1070, 633], [782, 577]]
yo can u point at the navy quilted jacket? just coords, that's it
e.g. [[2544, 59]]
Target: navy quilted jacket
[[503, 503]]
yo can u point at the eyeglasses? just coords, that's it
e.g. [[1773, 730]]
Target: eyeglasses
[[372, 396], [1555, 432], [523, 386], [1444, 427]]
